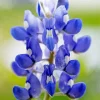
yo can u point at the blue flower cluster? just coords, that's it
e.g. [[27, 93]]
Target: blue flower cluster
[[44, 33]]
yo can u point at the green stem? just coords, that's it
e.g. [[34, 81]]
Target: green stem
[[47, 96]]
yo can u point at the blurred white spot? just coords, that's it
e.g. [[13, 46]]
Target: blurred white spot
[[70, 82], [26, 25], [29, 52], [27, 86], [45, 51], [67, 59], [66, 18], [56, 74]]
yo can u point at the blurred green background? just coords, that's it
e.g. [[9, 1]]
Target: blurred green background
[[11, 14]]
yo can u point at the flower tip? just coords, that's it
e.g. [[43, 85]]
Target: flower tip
[[73, 67], [73, 26], [20, 93], [18, 33], [78, 90], [24, 61], [82, 44], [17, 70]]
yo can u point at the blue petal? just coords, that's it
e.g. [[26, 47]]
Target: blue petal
[[46, 4], [33, 44], [83, 44], [19, 33], [49, 69], [32, 22], [44, 36], [51, 85], [26, 14], [63, 83], [77, 90], [65, 50], [20, 93], [24, 61], [73, 26], [38, 10], [60, 57], [73, 67], [50, 43], [49, 23], [69, 42], [35, 88], [60, 60], [63, 2], [59, 14], [18, 71], [44, 79], [51, 88], [48, 39], [55, 36]]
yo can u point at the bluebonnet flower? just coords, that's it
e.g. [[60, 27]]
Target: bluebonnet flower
[[42, 37], [48, 80], [67, 86]]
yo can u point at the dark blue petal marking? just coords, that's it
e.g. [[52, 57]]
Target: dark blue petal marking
[[49, 69], [50, 87]]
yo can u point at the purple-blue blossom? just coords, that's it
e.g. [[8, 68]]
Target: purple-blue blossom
[[41, 37]]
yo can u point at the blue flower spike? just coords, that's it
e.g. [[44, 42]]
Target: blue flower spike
[[82, 44], [49, 41], [48, 80]]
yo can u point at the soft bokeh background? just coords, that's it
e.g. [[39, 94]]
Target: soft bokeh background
[[11, 14]]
